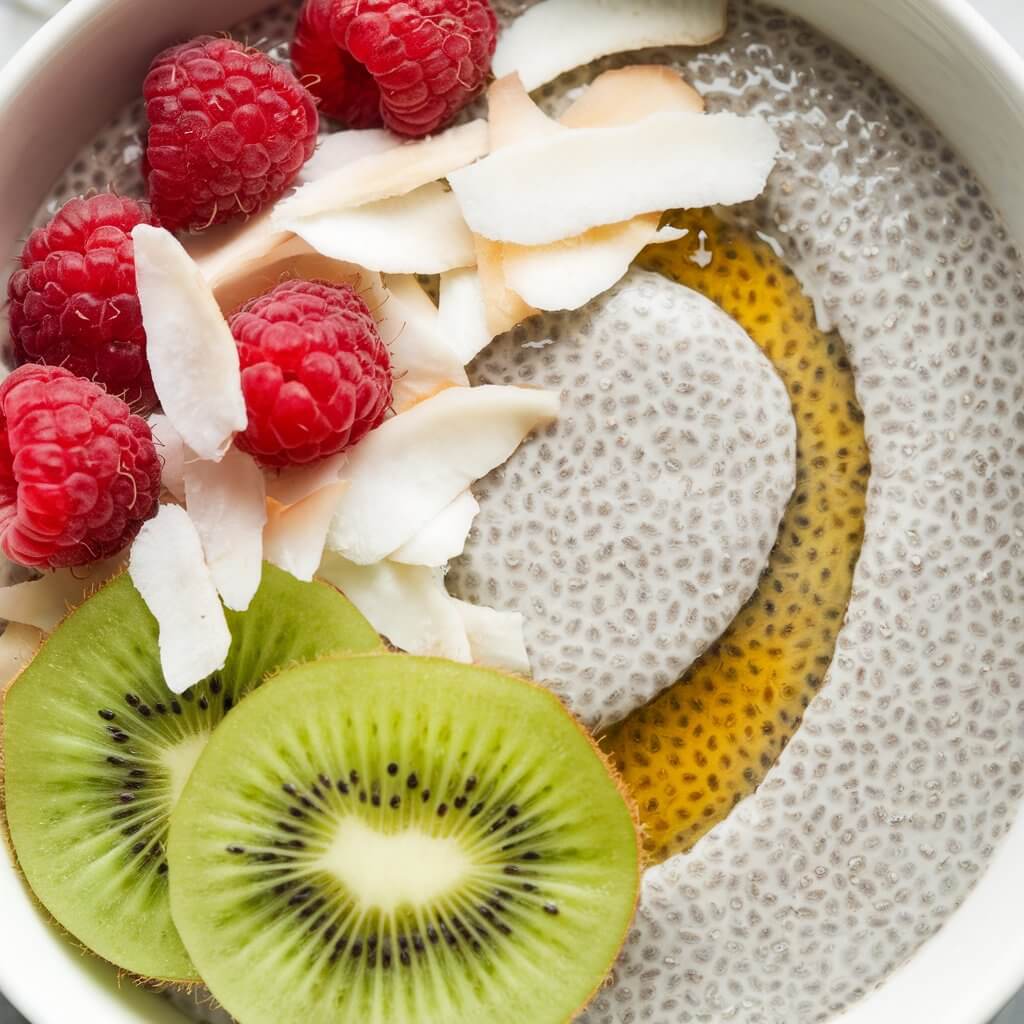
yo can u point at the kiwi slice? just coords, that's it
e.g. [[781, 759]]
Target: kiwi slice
[[397, 840], [97, 750]]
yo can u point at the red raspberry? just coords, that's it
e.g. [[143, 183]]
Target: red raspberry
[[409, 65], [79, 473], [229, 130], [73, 301], [315, 374]]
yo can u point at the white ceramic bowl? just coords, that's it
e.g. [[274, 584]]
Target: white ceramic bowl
[[68, 81]]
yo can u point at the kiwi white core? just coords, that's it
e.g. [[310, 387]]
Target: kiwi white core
[[388, 870], [180, 759]]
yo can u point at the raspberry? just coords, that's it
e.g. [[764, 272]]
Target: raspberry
[[229, 130], [79, 473], [411, 65], [73, 301], [315, 374]]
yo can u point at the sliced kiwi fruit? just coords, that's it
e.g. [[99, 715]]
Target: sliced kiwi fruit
[[396, 840], [97, 750]]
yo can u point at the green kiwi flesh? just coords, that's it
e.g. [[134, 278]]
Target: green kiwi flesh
[[396, 840], [97, 750]]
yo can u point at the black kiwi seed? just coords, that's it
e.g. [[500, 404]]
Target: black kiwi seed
[[392, 768], [107, 714], [412, 782]]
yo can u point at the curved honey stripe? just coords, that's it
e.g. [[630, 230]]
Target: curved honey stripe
[[708, 741]]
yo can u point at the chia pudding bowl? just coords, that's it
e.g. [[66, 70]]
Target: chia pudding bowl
[[684, 357]]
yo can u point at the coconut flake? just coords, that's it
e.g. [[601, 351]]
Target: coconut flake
[[407, 604], [295, 535], [169, 571], [342, 148], [462, 313], [422, 361], [170, 449], [412, 467], [627, 95], [556, 187], [394, 172], [444, 537], [496, 639], [227, 502], [568, 274], [290, 486], [503, 308], [514, 117], [556, 36], [191, 352], [18, 646], [419, 233], [45, 602]]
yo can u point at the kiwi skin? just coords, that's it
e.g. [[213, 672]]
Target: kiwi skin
[[225, 821], [122, 635]]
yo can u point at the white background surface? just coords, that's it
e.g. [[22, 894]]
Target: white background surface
[[19, 18]]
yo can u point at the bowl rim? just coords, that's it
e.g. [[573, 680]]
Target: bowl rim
[[995, 980]]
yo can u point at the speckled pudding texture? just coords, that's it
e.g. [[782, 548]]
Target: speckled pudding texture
[[885, 807]]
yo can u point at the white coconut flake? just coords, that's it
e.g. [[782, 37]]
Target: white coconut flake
[[191, 352], [563, 185], [444, 537], [627, 95], [342, 148], [170, 449], [423, 363], [407, 604], [462, 311], [503, 308], [556, 36], [45, 602], [227, 502], [514, 117], [419, 233], [394, 172], [18, 646], [290, 486], [568, 274], [228, 252], [295, 535], [412, 467], [496, 639], [169, 571]]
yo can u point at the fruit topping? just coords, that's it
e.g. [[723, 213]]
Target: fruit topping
[[409, 841], [229, 131], [97, 749], [315, 374], [79, 473], [411, 66], [191, 351], [555, 36], [73, 301]]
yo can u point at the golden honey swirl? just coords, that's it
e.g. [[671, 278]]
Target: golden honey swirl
[[708, 741]]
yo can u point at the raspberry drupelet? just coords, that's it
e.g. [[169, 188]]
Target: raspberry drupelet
[[229, 130], [73, 301], [411, 66], [315, 374], [79, 473]]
